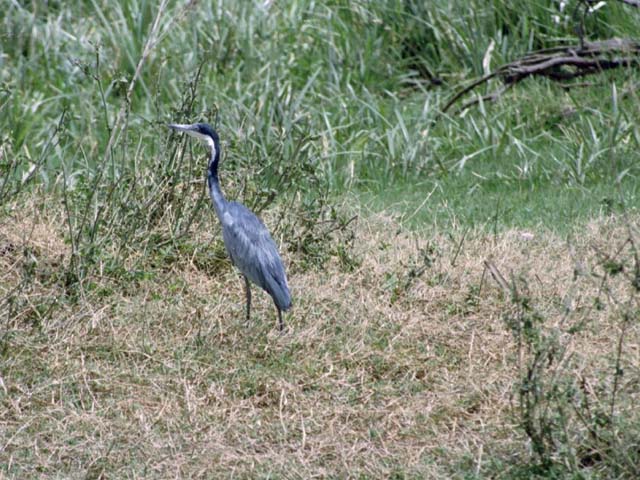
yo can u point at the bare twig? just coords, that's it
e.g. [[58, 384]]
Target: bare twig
[[497, 276], [490, 97], [467, 89]]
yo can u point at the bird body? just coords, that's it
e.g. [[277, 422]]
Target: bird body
[[247, 240], [254, 253]]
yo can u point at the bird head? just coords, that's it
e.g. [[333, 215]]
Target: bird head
[[201, 131]]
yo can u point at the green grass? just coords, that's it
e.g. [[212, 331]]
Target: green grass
[[341, 82], [548, 157], [467, 202], [118, 297]]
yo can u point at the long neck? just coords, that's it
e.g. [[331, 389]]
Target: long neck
[[219, 202]]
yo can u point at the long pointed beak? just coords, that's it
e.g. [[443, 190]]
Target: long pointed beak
[[181, 127]]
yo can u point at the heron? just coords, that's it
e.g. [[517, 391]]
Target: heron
[[246, 239]]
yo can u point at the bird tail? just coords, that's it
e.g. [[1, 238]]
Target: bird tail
[[281, 295]]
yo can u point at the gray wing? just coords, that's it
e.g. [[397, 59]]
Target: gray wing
[[254, 252]]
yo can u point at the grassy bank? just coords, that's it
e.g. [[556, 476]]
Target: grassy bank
[[456, 354], [413, 364]]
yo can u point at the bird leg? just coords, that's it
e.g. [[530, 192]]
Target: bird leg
[[280, 322], [247, 288]]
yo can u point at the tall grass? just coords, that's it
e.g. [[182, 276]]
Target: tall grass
[[346, 74]]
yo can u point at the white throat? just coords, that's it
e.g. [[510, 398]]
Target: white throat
[[212, 145]]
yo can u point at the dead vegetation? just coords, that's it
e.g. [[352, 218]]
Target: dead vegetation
[[558, 63], [562, 63], [402, 365]]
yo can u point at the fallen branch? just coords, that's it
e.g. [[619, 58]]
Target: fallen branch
[[633, 3], [558, 63]]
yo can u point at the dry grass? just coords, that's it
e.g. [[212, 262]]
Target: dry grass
[[382, 372]]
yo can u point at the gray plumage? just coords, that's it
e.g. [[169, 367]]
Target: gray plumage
[[254, 252], [247, 240]]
